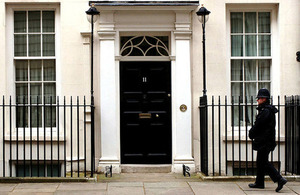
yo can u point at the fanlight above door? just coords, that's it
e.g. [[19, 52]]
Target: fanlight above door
[[144, 46]]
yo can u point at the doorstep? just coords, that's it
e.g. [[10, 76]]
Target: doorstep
[[144, 168]]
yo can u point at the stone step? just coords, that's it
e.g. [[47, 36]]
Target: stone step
[[133, 168]]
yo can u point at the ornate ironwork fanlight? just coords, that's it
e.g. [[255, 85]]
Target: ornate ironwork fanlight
[[144, 46]]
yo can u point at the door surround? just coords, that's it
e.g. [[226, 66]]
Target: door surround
[[110, 29]]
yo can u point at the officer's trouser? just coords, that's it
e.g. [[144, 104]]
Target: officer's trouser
[[265, 167]]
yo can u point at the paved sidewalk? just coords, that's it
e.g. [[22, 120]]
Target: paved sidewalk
[[141, 184]]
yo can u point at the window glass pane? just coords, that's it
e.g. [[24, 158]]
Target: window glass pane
[[250, 70], [126, 42], [264, 71], [35, 70], [264, 22], [156, 51], [136, 52], [20, 172], [34, 45], [19, 21], [164, 41], [126, 51], [236, 45], [238, 115], [250, 42], [264, 85], [162, 51], [48, 21], [21, 92], [48, 111], [49, 92], [22, 116], [34, 21], [36, 116], [35, 170], [36, 91], [236, 19], [20, 45], [48, 45], [250, 22], [54, 169], [236, 91], [264, 48], [21, 70], [250, 91], [49, 70], [148, 43], [251, 113], [236, 70]]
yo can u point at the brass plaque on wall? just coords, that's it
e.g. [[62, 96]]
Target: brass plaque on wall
[[183, 108]]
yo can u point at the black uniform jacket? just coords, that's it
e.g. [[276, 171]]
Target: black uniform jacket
[[263, 131]]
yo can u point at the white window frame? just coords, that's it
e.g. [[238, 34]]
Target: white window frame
[[256, 81], [256, 34], [257, 57], [275, 57], [10, 61]]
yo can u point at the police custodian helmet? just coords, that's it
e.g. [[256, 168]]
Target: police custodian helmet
[[263, 93]]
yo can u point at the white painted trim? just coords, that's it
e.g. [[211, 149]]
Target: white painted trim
[[275, 57], [109, 104], [10, 70], [163, 31], [145, 58], [174, 96], [275, 52], [146, 8], [181, 89]]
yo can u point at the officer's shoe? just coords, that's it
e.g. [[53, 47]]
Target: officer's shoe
[[281, 183], [255, 185]]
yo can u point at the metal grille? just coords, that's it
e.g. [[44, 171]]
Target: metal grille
[[63, 149], [225, 146]]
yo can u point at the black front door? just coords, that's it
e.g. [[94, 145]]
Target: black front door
[[145, 112]]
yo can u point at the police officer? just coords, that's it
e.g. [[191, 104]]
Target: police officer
[[263, 135]]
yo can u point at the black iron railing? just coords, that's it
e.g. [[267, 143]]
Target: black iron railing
[[49, 138], [225, 146], [292, 138], [204, 134]]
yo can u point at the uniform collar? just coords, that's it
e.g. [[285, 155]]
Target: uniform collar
[[262, 106]]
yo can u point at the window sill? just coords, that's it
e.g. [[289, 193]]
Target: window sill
[[243, 138]]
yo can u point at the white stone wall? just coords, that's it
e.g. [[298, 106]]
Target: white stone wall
[[73, 55]]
